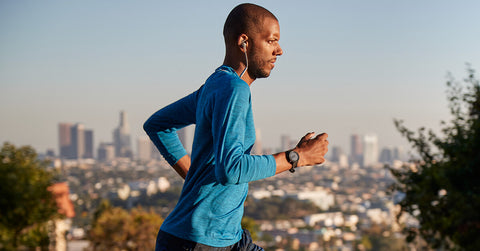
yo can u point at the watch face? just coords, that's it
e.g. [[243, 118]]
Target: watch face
[[293, 156]]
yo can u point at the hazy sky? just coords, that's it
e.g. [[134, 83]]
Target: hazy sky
[[348, 66]]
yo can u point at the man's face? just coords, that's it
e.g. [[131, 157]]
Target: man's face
[[265, 49]]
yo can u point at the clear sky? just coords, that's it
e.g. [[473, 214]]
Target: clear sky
[[348, 66]]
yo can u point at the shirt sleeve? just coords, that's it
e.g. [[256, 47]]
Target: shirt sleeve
[[233, 165], [161, 127]]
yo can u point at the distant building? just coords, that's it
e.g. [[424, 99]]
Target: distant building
[[75, 142], [50, 153], [398, 153], [89, 144], [321, 197], [155, 153], [106, 152], [356, 149], [334, 156], [370, 152], [121, 138], [65, 140], [386, 156], [144, 149], [326, 219], [78, 141]]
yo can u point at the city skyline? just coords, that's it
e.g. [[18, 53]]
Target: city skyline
[[348, 68], [75, 142]]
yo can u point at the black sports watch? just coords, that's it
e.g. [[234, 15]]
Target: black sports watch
[[292, 158]]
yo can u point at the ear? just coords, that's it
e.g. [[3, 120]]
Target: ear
[[243, 42]]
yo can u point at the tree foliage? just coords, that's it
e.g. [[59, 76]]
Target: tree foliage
[[277, 208], [250, 224], [442, 189], [117, 229], [26, 204]]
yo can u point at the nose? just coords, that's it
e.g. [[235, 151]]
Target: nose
[[278, 51]]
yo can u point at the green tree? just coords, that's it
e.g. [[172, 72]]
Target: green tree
[[250, 224], [26, 204], [442, 189], [117, 229]]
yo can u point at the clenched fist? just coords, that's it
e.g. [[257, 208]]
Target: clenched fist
[[312, 149]]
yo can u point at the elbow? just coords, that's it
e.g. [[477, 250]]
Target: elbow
[[226, 179], [228, 173], [147, 126]]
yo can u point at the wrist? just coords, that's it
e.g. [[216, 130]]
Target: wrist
[[301, 156], [293, 158]]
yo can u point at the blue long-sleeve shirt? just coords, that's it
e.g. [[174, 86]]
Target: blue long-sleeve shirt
[[210, 207]]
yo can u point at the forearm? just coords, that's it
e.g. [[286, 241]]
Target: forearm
[[182, 166], [311, 151], [282, 163]]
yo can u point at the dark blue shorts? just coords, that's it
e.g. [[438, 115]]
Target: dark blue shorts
[[168, 242]]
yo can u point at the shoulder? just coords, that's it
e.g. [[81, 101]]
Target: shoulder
[[227, 83]]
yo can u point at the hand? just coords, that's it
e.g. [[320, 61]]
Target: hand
[[312, 149]]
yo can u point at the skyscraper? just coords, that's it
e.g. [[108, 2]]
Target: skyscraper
[[334, 154], [75, 142], [65, 140], [370, 153], [356, 149], [144, 148], [78, 141], [89, 144], [386, 156], [106, 152], [121, 137]]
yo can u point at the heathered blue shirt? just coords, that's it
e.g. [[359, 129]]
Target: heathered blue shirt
[[210, 207]]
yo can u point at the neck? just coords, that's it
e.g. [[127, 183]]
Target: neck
[[238, 66]]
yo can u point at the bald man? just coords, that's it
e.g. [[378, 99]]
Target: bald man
[[210, 208]]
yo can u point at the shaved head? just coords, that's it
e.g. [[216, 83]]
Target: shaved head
[[244, 19]]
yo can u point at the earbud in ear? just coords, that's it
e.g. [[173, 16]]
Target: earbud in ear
[[244, 44]]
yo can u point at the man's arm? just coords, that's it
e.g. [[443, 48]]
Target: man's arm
[[311, 150], [182, 166], [161, 127], [229, 125]]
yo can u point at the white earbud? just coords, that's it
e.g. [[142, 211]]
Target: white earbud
[[244, 46]]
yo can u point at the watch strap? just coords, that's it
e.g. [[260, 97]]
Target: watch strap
[[294, 163]]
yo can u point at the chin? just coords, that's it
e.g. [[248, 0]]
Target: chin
[[263, 74]]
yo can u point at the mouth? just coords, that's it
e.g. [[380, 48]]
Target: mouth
[[272, 62]]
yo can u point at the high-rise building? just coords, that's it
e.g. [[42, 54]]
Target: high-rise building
[[106, 152], [65, 140], [155, 153], [370, 150], [89, 144], [78, 140], [144, 149], [398, 153], [356, 149], [386, 156], [334, 154], [75, 142], [121, 137]]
